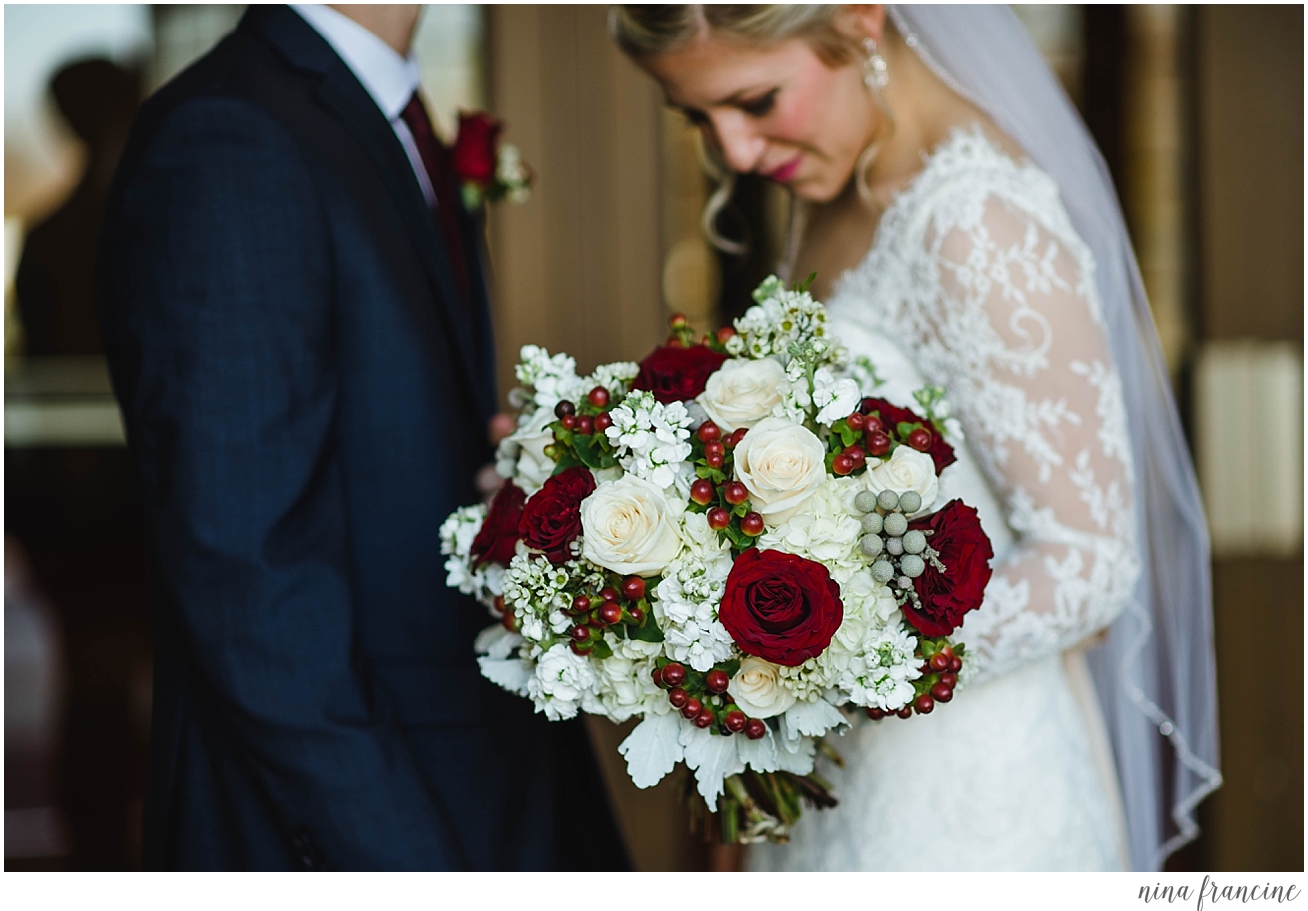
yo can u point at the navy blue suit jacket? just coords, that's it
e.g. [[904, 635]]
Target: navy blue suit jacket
[[306, 398]]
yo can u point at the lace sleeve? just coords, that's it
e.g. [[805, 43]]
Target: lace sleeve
[[1014, 321]]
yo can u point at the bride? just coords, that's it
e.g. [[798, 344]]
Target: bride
[[964, 233]]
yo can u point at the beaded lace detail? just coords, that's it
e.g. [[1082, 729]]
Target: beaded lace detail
[[977, 274]]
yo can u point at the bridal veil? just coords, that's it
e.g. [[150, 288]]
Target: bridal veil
[[1155, 675]]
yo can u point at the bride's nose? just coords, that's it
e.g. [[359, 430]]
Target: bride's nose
[[742, 145]]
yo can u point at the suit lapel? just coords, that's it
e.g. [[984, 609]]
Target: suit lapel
[[350, 104]]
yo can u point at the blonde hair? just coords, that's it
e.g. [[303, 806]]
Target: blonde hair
[[646, 31]]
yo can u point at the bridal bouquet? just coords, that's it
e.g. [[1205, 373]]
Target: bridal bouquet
[[734, 541]]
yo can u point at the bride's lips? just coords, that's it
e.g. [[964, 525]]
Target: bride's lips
[[786, 171]]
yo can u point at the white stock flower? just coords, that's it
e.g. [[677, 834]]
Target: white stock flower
[[906, 469], [826, 529], [456, 534], [629, 527], [652, 439], [882, 672], [553, 378], [758, 691], [781, 464], [521, 455], [562, 680], [742, 392], [835, 398]]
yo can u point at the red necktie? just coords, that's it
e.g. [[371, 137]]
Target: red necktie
[[436, 160]]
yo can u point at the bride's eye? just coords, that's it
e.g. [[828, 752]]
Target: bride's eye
[[694, 118], [760, 107]]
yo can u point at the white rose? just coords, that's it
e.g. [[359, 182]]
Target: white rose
[[906, 469], [742, 392], [628, 527], [522, 455], [758, 691], [781, 464]]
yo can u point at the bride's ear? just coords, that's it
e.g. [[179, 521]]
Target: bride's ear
[[867, 19]]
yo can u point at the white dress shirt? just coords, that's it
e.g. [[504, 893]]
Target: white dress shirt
[[389, 78]]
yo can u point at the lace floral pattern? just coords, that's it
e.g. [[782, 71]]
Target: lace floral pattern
[[977, 273]]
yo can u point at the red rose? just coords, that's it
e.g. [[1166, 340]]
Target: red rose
[[496, 541], [891, 415], [780, 607], [677, 374], [475, 148], [552, 517], [966, 554]]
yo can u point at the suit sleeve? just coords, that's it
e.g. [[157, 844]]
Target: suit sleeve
[[220, 323]]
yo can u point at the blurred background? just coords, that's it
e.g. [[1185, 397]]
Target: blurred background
[[1199, 114]]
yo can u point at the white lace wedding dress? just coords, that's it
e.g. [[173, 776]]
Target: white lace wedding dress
[[977, 282]]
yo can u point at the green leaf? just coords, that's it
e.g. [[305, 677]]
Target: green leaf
[[601, 650], [903, 429], [566, 461], [650, 632]]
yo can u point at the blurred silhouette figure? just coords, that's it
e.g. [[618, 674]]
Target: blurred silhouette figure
[[74, 511], [55, 279]]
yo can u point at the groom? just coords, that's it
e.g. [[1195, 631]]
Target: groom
[[295, 314]]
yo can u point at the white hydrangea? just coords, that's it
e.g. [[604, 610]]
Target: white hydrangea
[[456, 535], [563, 679], [652, 440], [881, 673], [552, 378], [615, 377], [687, 598], [624, 686], [826, 530], [809, 679]]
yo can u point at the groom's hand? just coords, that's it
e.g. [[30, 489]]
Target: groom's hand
[[499, 427]]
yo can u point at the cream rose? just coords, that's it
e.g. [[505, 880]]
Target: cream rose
[[742, 392], [781, 464], [629, 527], [521, 455], [758, 691], [906, 469]]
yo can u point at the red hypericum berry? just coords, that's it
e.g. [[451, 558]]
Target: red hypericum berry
[[842, 465], [948, 651], [955, 664], [877, 443], [580, 633], [950, 679], [924, 704], [637, 615], [735, 493], [755, 729], [610, 613], [938, 662], [920, 439], [674, 674], [875, 713], [580, 604], [563, 409], [510, 622], [718, 518], [608, 593], [871, 423], [633, 588], [658, 676], [717, 681], [705, 718], [866, 406], [752, 524], [603, 422], [678, 697], [708, 432], [569, 421], [580, 648], [858, 456], [733, 440], [701, 491], [854, 421], [905, 712], [735, 721], [692, 707], [942, 693], [677, 321], [599, 397], [585, 425], [715, 454]]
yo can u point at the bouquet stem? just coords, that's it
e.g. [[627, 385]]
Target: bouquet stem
[[760, 806]]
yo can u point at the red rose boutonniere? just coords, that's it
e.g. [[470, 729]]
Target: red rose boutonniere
[[488, 169]]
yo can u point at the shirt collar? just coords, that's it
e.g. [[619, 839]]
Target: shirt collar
[[389, 78]]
